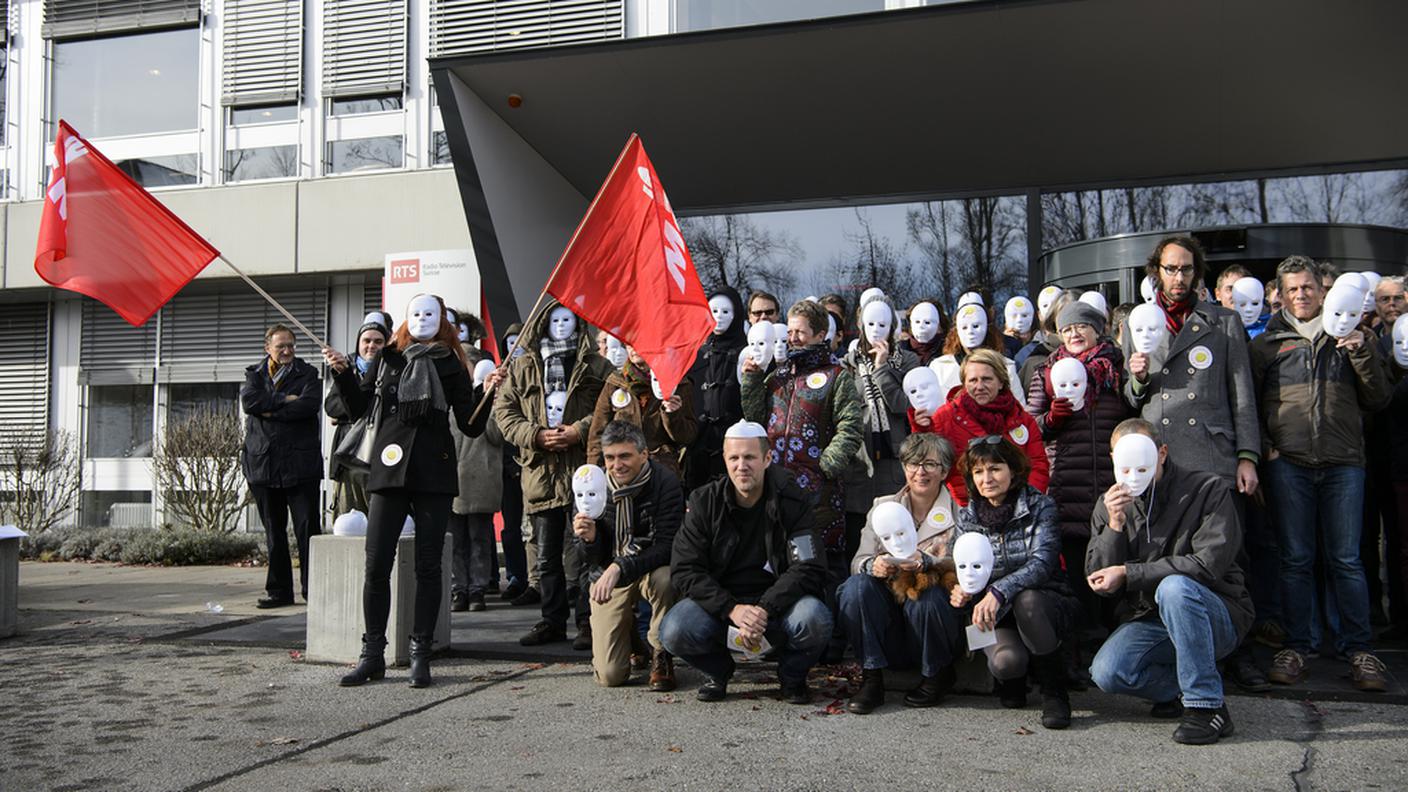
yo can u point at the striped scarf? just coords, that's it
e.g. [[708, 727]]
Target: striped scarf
[[624, 498], [874, 399], [554, 353]]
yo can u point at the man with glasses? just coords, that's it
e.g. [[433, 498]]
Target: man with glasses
[[762, 307]]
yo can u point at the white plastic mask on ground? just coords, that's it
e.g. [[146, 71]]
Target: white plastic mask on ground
[[1018, 315], [972, 324], [589, 491], [1400, 341], [1371, 279], [1045, 299], [895, 529], [924, 322], [482, 370], [1248, 294], [561, 324], [1146, 327], [423, 317], [878, 320], [921, 387], [969, 298], [1343, 307], [615, 352], [353, 523], [1146, 289], [722, 309], [1097, 301], [779, 342], [760, 346], [556, 405], [870, 294], [972, 558], [1136, 461], [1069, 381]]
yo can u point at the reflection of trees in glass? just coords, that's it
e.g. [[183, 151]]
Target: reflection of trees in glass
[[732, 250], [972, 242], [873, 259], [366, 153], [261, 163]]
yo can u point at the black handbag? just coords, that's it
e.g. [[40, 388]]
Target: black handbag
[[357, 446]]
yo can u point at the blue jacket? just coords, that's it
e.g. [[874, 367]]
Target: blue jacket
[[1026, 552]]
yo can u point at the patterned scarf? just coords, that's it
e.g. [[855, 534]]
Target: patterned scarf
[[875, 400], [554, 355], [624, 498], [1100, 369], [277, 372], [1176, 312], [996, 416], [801, 361], [420, 392]]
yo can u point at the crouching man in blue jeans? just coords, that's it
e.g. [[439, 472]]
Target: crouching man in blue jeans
[[749, 554], [1165, 539]]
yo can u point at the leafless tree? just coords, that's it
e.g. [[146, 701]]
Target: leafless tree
[[990, 229], [873, 259], [39, 478], [197, 467], [733, 250]]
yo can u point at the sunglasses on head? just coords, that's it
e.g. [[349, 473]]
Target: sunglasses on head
[[988, 440]]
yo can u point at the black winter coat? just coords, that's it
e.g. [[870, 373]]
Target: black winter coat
[[659, 511], [717, 403], [341, 425], [1389, 434], [281, 439]]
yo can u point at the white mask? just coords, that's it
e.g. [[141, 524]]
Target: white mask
[[556, 403], [589, 491], [895, 529], [830, 327], [924, 322], [1018, 315], [921, 387], [1045, 298], [353, 523], [517, 351], [655, 387], [1097, 301], [1400, 341], [1372, 279], [464, 334], [722, 309], [867, 295], [561, 324], [1343, 307], [1146, 327], [972, 558], [1136, 461], [972, 324], [853, 346], [760, 346], [482, 370], [1247, 296], [779, 342], [969, 298], [877, 319], [1354, 280], [423, 317], [1069, 381], [615, 352]]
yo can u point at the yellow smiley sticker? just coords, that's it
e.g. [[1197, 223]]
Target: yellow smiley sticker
[[941, 518], [391, 455], [816, 380], [1019, 435], [1200, 357], [968, 310], [620, 399]]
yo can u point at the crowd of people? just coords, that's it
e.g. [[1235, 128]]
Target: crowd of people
[[1127, 497]]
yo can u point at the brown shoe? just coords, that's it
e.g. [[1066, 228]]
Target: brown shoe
[[662, 672], [1367, 672], [1287, 668]]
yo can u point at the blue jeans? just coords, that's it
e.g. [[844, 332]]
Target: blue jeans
[[1321, 508], [1177, 653], [885, 633], [690, 633]]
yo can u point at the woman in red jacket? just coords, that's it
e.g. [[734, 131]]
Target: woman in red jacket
[[984, 405]]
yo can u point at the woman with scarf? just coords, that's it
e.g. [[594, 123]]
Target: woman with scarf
[[413, 383], [972, 330], [715, 376], [928, 327], [628, 395], [350, 486], [982, 406]]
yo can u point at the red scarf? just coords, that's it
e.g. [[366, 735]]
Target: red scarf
[[927, 352], [1176, 312], [1100, 369], [995, 417]]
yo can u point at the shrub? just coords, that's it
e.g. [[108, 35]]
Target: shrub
[[39, 477], [197, 467], [163, 547]]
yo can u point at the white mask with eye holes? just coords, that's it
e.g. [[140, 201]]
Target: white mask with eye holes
[[878, 320], [1045, 299], [1400, 341], [655, 387], [589, 491], [556, 404], [760, 343], [516, 351], [924, 322], [722, 309], [1371, 279], [1343, 308], [464, 334], [1136, 461], [972, 324], [1018, 315], [830, 327], [869, 294], [1069, 381], [615, 352], [423, 317], [1354, 280], [779, 342], [1147, 290], [482, 370], [1147, 327], [969, 298], [921, 387], [1248, 294], [972, 559], [561, 324], [894, 527]]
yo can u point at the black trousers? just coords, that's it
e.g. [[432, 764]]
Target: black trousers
[[389, 508], [471, 558], [515, 554], [552, 528], [275, 504]]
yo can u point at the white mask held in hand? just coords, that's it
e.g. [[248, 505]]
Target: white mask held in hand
[[1018, 315], [972, 324], [972, 558], [482, 370], [1146, 289], [760, 346], [722, 309], [779, 342], [1045, 299], [924, 322], [1400, 341], [1371, 280], [1097, 301], [921, 387], [423, 317], [655, 387], [1136, 461], [1069, 381], [895, 529], [589, 491], [615, 352], [1248, 293], [1353, 280], [561, 324], [556, 405], [830, 327], [1147, 327], [969, 298], [877, 319], [1343, 307]]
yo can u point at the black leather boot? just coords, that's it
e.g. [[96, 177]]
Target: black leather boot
[[1055, 702], [371, 665], [420, 660], [871, 693]]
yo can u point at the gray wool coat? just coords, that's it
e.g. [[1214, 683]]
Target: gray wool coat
[[480, 462]]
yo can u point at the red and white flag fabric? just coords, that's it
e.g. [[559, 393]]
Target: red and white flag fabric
[[102, 235], [627, 271]]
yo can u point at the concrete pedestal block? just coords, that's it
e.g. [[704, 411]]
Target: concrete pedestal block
[[335, 575], [9, 586]]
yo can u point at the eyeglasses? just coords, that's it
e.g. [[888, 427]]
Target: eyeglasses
[[1181, 272], [1076, 329], [928, 466], [761, 314], [982, 441]]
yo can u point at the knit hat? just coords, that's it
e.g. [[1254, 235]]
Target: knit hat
[[1081, 313], [373, 321]]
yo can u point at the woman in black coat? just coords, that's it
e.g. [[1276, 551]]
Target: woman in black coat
[[416, 379], [717, 402]]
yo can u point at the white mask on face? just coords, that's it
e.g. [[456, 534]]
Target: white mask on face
[[760, 346], [1372, 280], [1018, 314], [921, 387], [969, 298], [1096, 300], [972, 324], [655, 387], [895, 529], [1146, 289], [464, 334], [615, 352], [423, 317], [877, 319], [924, 322], [830, 327], [779, 342], [1248, 293], [1400, 341], [1069, 381], [556, 405], [1146, 327], [972, 558], [516, 350], [872, 292], [561, 324], [722, 309], [1136, 461], [589, 491], [1045, 298], [482, 370], [1343, 307]]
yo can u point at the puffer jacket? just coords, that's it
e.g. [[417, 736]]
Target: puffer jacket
[[1314, 396], [281, 442], [1026, 552], [627, 397], [717, 401], [520, 411], [480, 458], [659, 510]]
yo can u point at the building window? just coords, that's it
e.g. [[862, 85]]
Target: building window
[[172, 171], [710, 14], [439, 148], [128, 85], [359, 105], [119, 421], [269, 162], [116, 508], [361, 154], [185, 399], [268, 114]]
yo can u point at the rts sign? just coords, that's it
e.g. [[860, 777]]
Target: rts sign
[[451, 274], [403, 271]]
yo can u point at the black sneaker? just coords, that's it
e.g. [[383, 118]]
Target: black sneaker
[[514, 590], [543, 633], [1203, 726], [530, 596], [795, 691], [1167, 710], [583, 641], [476, 604], [265, 603], [459, 602], [712, 690], [1245, 674]]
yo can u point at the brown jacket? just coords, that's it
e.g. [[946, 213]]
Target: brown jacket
[[666, 434]]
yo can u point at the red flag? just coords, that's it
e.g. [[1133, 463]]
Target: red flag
[[104, 236], [627, 271]]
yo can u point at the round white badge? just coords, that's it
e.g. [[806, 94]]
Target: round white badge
[[620, 399], [816, 381], [1200, 357], [940, 518], [391, 455], [1019, 435]]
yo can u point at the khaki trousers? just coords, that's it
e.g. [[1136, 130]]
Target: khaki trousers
[[613, 621]]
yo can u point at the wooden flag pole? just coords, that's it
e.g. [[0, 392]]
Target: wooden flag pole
[[508, 358], [311, 335]]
